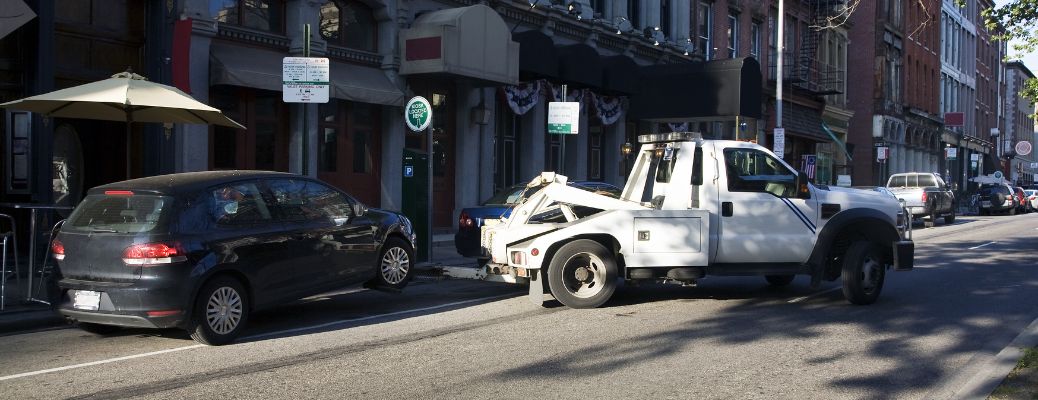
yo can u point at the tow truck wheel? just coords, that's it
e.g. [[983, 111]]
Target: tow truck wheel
[[582, 274], [863, 273]]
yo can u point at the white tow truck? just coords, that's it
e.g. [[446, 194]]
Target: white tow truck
[[693, 208]]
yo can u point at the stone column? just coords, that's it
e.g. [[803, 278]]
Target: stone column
[[392, 174], [192, 140], [531, 140], [468, 155], [613, 138]]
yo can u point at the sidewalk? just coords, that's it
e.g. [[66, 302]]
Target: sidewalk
[[19, 315]]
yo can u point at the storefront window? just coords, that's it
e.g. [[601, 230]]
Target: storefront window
[[264, 15], [349, 24], [264, 144]]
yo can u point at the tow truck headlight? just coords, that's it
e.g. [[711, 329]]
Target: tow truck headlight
[[518, 258]]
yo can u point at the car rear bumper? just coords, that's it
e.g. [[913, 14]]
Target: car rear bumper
[[133, 305], [466, 242]]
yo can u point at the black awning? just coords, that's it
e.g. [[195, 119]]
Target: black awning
[[620, 75], [537, 57], [679, 92], [579, 64], [803, 121]]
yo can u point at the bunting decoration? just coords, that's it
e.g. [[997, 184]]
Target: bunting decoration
[[523, 97], [609, 109], [576, 95], [682, 127]]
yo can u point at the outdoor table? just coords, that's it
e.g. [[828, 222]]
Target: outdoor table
[[32, 207]]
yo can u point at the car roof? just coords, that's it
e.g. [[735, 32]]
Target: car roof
[[187, 182]]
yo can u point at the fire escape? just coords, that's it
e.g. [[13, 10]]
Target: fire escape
[[803, 68]]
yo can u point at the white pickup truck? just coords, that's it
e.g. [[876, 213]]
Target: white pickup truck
[[692, 208]]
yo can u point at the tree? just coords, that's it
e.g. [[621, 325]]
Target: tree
[[1017, 20]]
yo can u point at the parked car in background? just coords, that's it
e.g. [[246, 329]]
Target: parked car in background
[[996, 198], [925, 194], [471, 219], [201, 251], [1022, 206], [1031, 198]]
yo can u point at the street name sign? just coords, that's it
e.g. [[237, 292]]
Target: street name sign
[[563, 117], [418, 114], [305, 79]]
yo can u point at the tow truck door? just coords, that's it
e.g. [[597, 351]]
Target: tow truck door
[[761, 220]]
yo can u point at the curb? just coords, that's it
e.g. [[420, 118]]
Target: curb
[[20, 321], [995, 371]]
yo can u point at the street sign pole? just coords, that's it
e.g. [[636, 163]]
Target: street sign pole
[[305, 158], [418, 115], [562, 158], [429, 184]]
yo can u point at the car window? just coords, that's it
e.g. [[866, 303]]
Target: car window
[[306, 200], [121, 213], [750, 170], [511, 195], [898, 181], [237, 204], [925, 181]]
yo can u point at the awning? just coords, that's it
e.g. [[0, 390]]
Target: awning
[[843, 146], [537, 58], [620, 75], [15, 13], [579, 64], [468, 41], [261, 69], [803, 121], [679, 92]]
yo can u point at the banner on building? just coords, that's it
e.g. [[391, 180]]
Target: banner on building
[[522, 97]]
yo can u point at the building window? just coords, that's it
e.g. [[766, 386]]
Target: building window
[[350, 24], [733, 35], [704, 28], [755, 39], [264, 15], [594, 151], [634, 13], [263, 144]]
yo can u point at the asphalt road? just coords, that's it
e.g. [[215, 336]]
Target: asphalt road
[[974, 289]]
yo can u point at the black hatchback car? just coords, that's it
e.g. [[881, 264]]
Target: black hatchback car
[[202, 250]]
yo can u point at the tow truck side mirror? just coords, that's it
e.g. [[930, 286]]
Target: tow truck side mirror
[[802, 186]]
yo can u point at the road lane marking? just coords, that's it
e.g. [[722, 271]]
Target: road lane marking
[[371, 317], [90, 364], [799, 299], [985, 244]]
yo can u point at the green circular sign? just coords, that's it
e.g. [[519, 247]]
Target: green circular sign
[[418, 113]]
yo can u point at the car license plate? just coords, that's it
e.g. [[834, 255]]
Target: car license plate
[[86, 300], [985, 204]]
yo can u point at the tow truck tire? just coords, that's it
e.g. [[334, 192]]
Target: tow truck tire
[[779, 280], [582, 274], [863, 273]]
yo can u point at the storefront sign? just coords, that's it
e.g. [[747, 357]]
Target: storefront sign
[[778, 145], [951, 153], [563, 117], [418, 114], [409, 171], [843, 180], [305, 80], [882, 153], [974, 157]]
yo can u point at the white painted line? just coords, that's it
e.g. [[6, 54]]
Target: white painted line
[[89, 364], [371, 317], [799, 299], [985, 244]]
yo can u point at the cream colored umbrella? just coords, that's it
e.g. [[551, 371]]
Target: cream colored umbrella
[[124, 97]]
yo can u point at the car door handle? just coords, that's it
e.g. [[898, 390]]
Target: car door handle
[[726, 209]]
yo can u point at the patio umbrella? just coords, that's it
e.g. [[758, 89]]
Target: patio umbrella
[[124, 97]]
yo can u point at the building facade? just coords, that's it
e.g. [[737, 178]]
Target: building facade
[[923, 150], [1019, 127]]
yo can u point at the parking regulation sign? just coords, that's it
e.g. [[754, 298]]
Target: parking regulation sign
[[563, 117], [418, 114], [305, 80]]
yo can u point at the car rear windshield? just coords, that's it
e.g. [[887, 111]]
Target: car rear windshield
[[988, 189], [912, 181], [120, 214]]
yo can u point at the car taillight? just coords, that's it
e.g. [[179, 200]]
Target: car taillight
[[924, 197], [118, 193], [464, 220], [58, 249], [152, 254]]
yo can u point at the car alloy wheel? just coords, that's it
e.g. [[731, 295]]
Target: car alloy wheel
[[224, 310], [395, 265]]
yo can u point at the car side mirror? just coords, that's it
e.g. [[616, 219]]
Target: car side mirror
[[359, 209], [803, 186]]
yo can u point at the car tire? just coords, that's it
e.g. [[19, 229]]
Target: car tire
[[930, 221], [1012, 211], [221, 311], [582, 274], [863, 273], [950, 218], [98, 329], [395, 264], [779, 280], [983, 212]]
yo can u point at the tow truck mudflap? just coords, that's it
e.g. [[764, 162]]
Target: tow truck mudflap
[[904, 255], [536, 294]]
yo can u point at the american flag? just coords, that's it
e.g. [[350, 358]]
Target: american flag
[[808, 165]]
